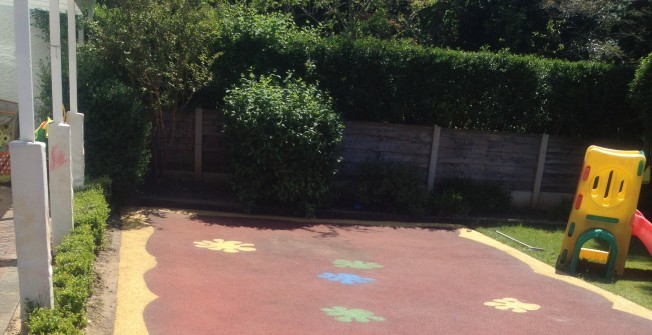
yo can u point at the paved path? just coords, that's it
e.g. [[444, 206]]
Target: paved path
[[9, 296], [216, 273]]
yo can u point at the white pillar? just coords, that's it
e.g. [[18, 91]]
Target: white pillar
[[76, 122], [30, 201], [58, 141], [72, 56], [55, 61], [29, 182], [60, 181], [75, 119]]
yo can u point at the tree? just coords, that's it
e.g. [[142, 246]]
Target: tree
[[164, 46]]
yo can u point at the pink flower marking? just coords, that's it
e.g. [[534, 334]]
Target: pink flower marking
[[57, 158]]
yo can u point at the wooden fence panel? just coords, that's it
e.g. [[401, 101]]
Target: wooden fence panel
[[372, 141], [508, 159]]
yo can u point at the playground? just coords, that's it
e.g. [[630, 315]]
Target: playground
[[208, 272]]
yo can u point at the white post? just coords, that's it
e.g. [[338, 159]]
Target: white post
[[60, 181], [55, 62], [29, 182], [72, 56], [76, 122], [58, 141], [75, 119]]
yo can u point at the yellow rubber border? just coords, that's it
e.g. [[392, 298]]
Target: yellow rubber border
[[619, 303], [132, 294]]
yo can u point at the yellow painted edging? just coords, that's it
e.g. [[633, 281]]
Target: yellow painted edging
[[619, 303], [133, 295]]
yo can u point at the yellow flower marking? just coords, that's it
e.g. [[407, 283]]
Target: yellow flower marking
[[513, 304], [226, 246]]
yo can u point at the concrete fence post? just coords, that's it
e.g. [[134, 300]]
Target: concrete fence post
[[538, 177], [199, 136], [434, 152]]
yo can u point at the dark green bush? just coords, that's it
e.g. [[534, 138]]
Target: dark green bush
[[73, 276], [399, 82], [91, 209], [466, 196], [641, 98], [116, 128], [282, 141], [390, 186]]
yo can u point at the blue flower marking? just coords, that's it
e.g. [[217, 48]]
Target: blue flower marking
[[345, 278]]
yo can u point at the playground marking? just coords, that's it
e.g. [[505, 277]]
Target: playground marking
[[226, 246], [512, 304], [342, 263], [619, 303], [345, 278], [343, 314]]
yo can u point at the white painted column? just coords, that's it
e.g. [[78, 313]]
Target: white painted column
[[55, 62], [58, 141], [75, 119], [76, 122], [29, 182], [60, 181]]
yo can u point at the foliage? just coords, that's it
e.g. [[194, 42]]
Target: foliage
[[641, 97], [45, 321], [399, 82], [390, 186], [167, 57], [251, 42], [73, 267], [402, 83], [91, 209], [282, 141], [116, 126], [466, 196]]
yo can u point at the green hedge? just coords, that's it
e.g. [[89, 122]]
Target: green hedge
[[73, 266], [399, 82]]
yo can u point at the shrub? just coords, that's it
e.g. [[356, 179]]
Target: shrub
[[283, 141], [45, 321], [116, 126], [390, 186], [92, 210], [641, 97], [73, 276], [465, 196]]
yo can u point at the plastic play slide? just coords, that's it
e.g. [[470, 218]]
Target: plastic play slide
[[642, 228]]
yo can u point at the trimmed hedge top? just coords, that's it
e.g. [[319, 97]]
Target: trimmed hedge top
[[399, 82]]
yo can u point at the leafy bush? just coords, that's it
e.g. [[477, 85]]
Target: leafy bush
[[117, 128], [283, 139], [399, 82], [390, 186], [465, 196], [73, 276], [641, 97], [45, 321], [91, 209]]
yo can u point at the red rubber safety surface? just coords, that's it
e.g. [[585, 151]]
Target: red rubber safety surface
[[412, 281]]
